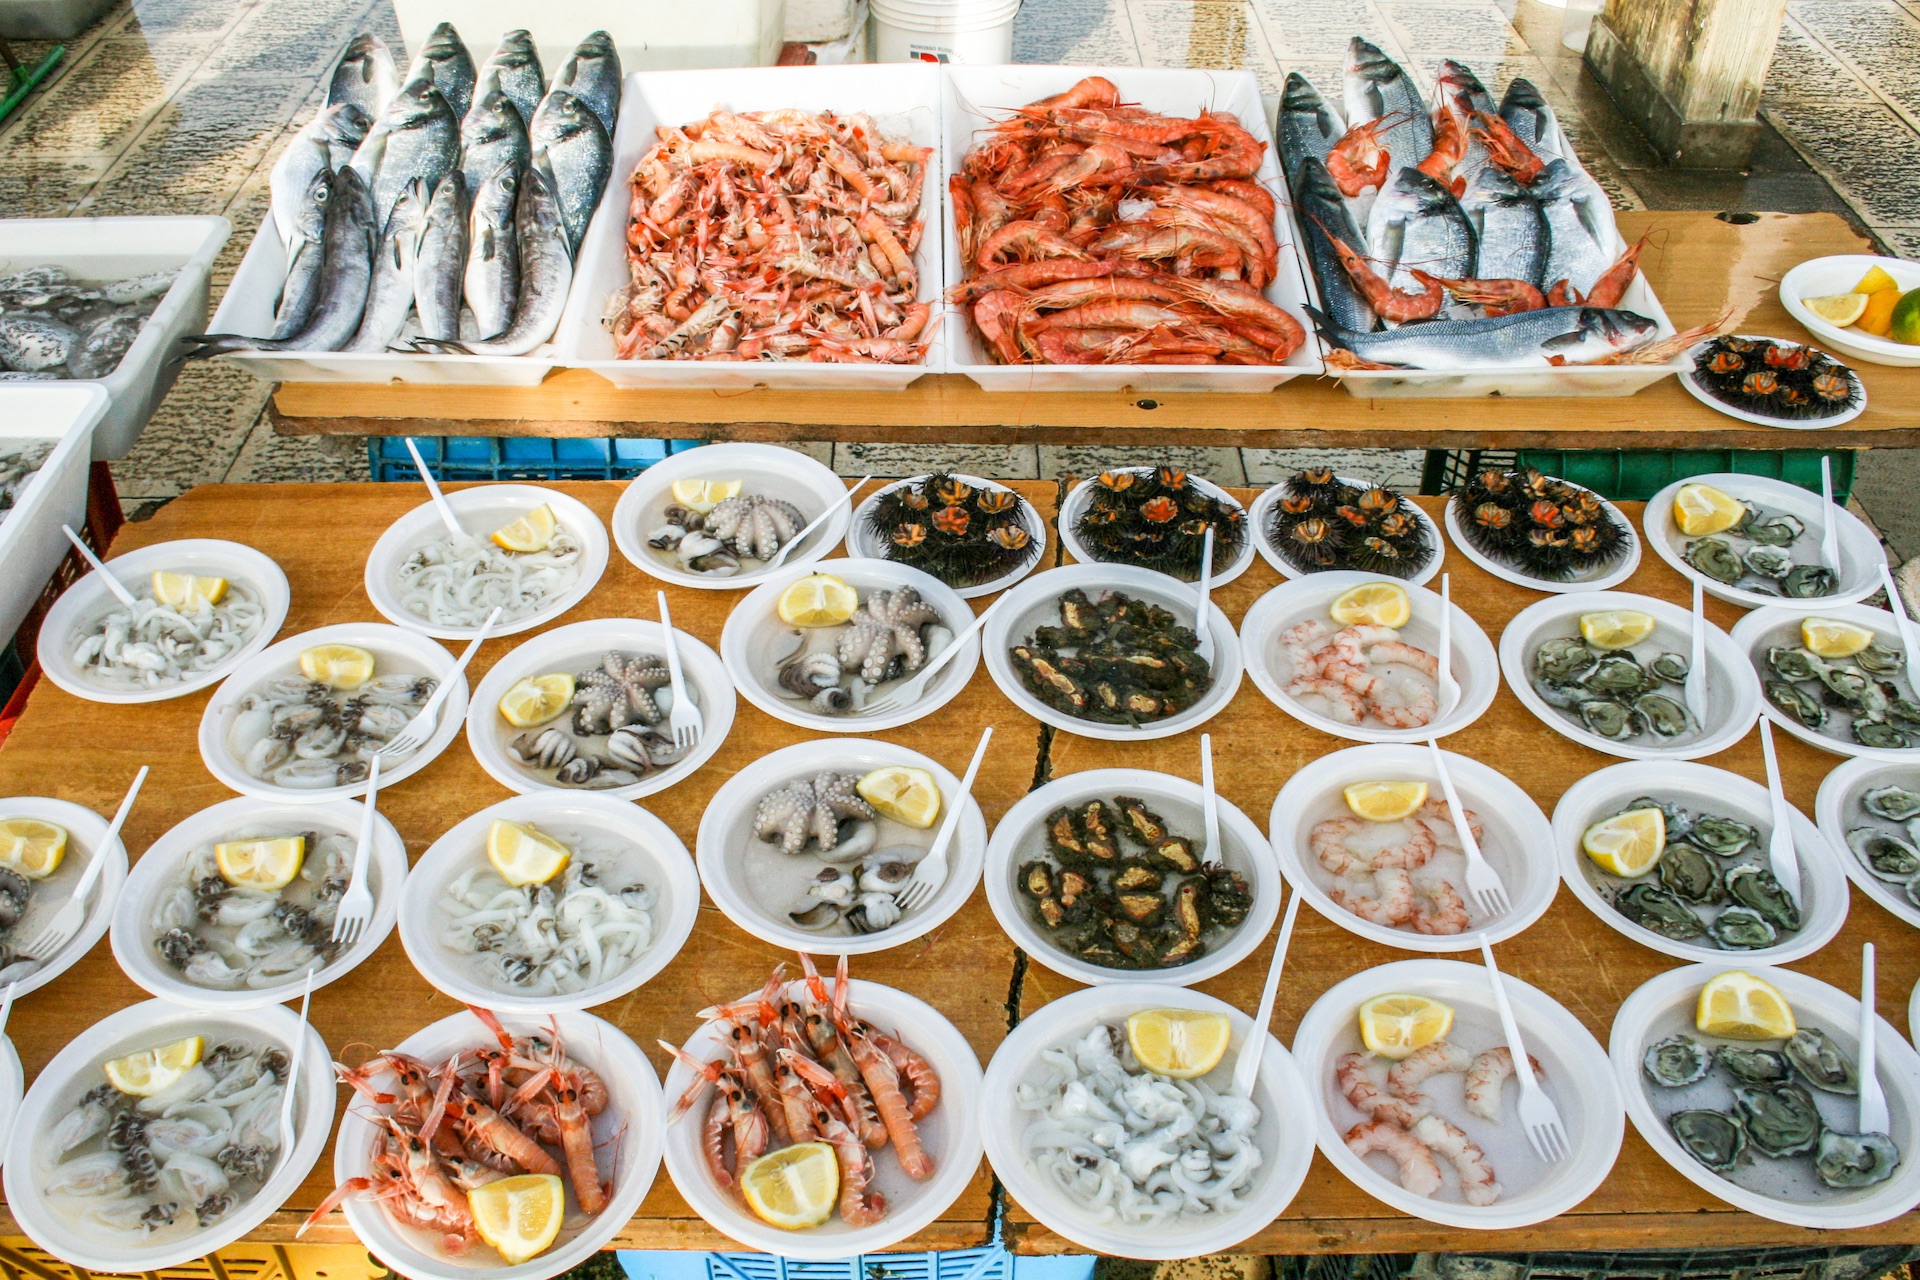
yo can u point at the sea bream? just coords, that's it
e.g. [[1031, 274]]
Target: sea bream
[[1377, 86], [417, 136], [1416, 222], [1529, 116], [1529, 339], [325, 142], [1306, 125], [493, 261], [390, 292], [546, 274], [577, 155], [365, 76], [1323, 215], [440, 266], [1580, 225], [1511, 237], [492, 135], [592, 74], [515, 63], [444, 56]]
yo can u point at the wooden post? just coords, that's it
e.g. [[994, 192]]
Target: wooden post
[[1689, 72]]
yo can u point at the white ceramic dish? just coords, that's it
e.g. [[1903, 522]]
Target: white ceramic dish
[[950, 1134], [1664, 1006], [1690, 380], [77, 1068], [1860, 552], [627, 1137], [753, 634], [757, 885], [89, 599], [762, 468], [1284, 1131], [862, 544], [577, 647], [1261, 512], [1290, 603], [1515, 829], [1818, 277], [1733, 695], [480, 510], [160, 870], [1036, 603], [1762, 629], [653, 856], [1021, 837], [1602, 581], [1702, 789], [1574, 1072], [1837, 809], [86, 830], [1224, 571], [395, 650]]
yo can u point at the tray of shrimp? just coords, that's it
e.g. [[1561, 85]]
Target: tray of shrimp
[[1118, 228], [822, 1117]]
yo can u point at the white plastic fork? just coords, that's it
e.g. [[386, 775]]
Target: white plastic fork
[[780, 556], [1829, 520], [1694, 688], [59, 931], [1202, 601], [910, 689], [1541, 1119], [113, 584], [440, 503], [1483, 882], [1246, 1068], [684, 719], [415, 733], [931, 871], [298, 1054], [1449, 687], [1873, 1100], [1209, 803], [1782, 857], [356, 906], [1909, 643]]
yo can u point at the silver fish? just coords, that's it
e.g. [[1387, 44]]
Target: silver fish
[[493, 260], [1306, 126], [1376, 86], [1416, 222], [516, 63], [592, 74], [578, 155], [440, 268], [390, 293], [1579, 225], [417, 137], [1551, 335], [100, 351], [325, 142], [1323, 215], [33, 344], [306, 256], [365, 76], [492, 134], [133, 289], [445, 56], [1456, 87], [1529, 116], [546, 273], [1511, 241]]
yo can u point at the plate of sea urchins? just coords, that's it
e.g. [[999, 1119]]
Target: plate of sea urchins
[[1771, 382]]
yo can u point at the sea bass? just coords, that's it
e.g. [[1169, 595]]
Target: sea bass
[[1306, 125], [516, 65], [577, 154], [365, 76], [1511, 240], [390, 293], [444, 56], [1416, 222], [440, 268], [1323, 215], [492, 135], [1580, 226], [306, 257], [546, 272], [493, 263], [1550, 336], [416, 137], [592, 75], [1377, 86], [325, 142]]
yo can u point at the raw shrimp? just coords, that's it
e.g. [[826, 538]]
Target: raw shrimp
[[1447, 915], [1331, 842], [1406, 1076], [1444, 1138], [1486, 1076], [1419, 1171], [1392, 904], [1354, 1078], [1340, 669]]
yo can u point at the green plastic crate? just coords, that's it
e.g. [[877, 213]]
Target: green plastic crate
[[1635, 475]]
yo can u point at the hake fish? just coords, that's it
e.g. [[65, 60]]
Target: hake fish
[[365, 76], [418, 136], [325, 142], [1324, 215], [592, 74], [1550, 336], [1377, 86], [546, 273], [1306, 126], [440, 268], [390, 293], [516, 64], [1529, 116], [492, 135], [578, 156], [1416, 222], [445, 57], [1512, 237], [306, 257], [493, 255], [1580, 226]]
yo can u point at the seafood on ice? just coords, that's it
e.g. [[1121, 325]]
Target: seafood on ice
[[20, 460], [158, 643], [607, 731], [1325, 522], [1401, 874], [804, 1067], [304, 735], [1711, 884], [1887, 842], [1361, 674], [775, 235], [228, 933], [1158, 518], [738, 534], [833, 670], [457, 580], [54, 326], [1116, 660], [1132, 1148], [1096, 232], [865, 863], [961, 532], [1868, 697]]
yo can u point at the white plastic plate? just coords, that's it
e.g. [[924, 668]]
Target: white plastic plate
[[861, 542], [1763, 629], [1690, 380], [1817, 277], [1261, 512], [1838, 810], [86, 836], [1860, 552], [1224, 570], [1602, 581]]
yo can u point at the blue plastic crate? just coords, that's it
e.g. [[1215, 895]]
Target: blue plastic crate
[[519, 457], [990, 1263]]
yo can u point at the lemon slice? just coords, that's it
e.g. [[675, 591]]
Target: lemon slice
[[267, 864], [1373, 604], [818, 600], [186, 590], [1393, 1026], [1875, 281], [1838, 309], [1739, 1006], [536, 699], [1181, 1043], [1701, 509], [1385, 801], [903, 793], [32, 847], [1615, 628], [338, 666], [1627, 844], [531, 532], [520, 1216], [795, 1187], [523, 854], [704, 495], [151, 1071], [1832, 638]]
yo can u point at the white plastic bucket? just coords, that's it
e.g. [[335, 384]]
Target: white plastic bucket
[[980, 34]]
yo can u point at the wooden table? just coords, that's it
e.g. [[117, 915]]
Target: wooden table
[[1697, 265], [968, 969]]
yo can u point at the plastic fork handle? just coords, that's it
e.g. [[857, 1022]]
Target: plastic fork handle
[[806, 531], [1209, 800], [96, 864], [116, 588], [951, 823], [365, 842], [1873, 1101], [673, 652], [1901, 623], [440, 504], [1522, 1065], [1246, 1071], [1781, 854], [1446, 647], [952, 651], [1455, 809]]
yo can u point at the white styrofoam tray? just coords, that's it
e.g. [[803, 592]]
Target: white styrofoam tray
[[903, 100], [31, 544], [114, 249], [979, 97], [713, 33]]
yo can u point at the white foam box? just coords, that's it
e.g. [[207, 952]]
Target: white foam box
[[649, 34], [31, 542]]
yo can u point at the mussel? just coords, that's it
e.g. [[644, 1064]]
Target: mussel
[[1716, 558], [1768, 562], [1743, 929], [1658, 911], [1666, 717], [1714, 1138], [1821, 1063], [1610, 720], [1689, 875], [1563, 660], [1755, 888], [1781, 1120], [1886, 855], [1894, 803], [1754, 1066], [1676, 1062], [1790, 662], [1722, 836], [1802, 706], [1848, 1160], [1808, 581]]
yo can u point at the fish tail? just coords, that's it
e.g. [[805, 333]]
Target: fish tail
[[441, 346], [214, 344]]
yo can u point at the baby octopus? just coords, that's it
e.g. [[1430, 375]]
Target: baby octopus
[[811, 809], [888, 625]]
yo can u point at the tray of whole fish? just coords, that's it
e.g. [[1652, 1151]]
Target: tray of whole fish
[[424, 228], [1117, 228], [1457, 247], [771, 225]]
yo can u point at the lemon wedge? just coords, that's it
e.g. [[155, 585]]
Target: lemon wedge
[[267, 864], [903, 793], [1385, 801], [32, 847], [1739, 1006], [1838, 309], [1832, 638], [1627, 844], [524, 855], [818, 600], [1615, 628], [703, 496], [1181, 1043], [338, 666], [536, 699], [520, 1216], [1875, 281], [1701, 509], [186, 590], [1393, 1026], [793, 1188], [152, 1071], [531, 532], [1373, 604]]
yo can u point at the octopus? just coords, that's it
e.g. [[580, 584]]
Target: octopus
[[755, 525], [815, 678], [887, 626], [810, 809], [618, 693]]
